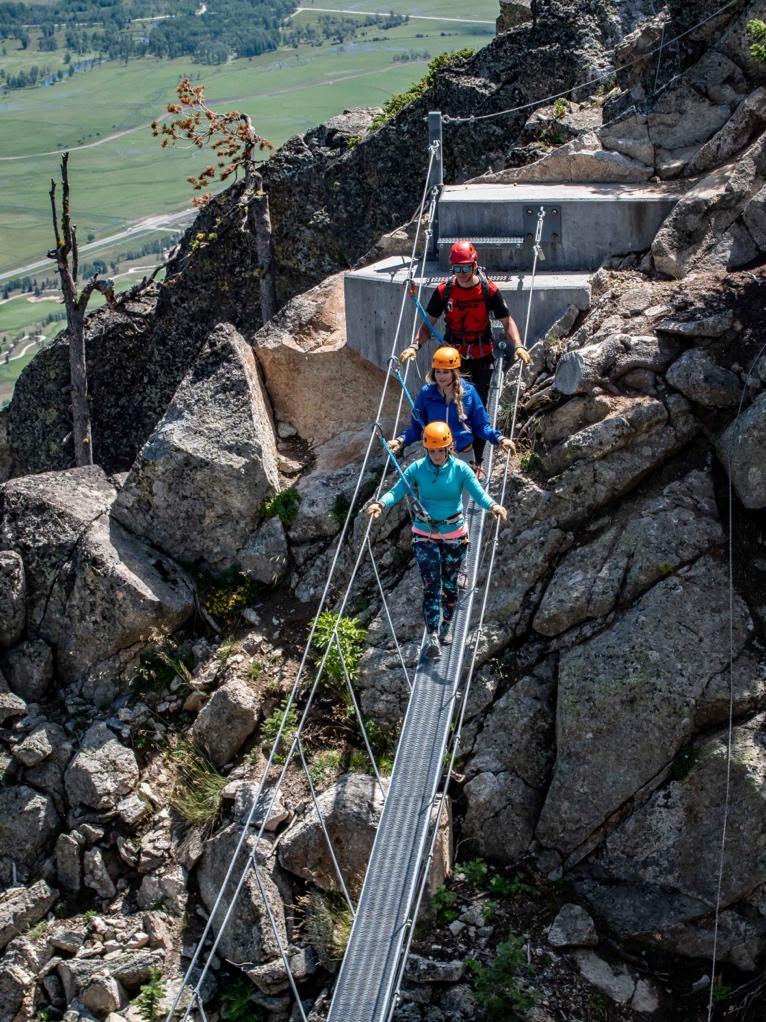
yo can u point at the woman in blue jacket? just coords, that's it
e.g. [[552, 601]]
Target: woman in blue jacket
[[440, 540], [447, 397]]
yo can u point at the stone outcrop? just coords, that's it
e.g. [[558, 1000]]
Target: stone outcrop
[[22, 907], [303, 354], [102, 771], [22, 844], [248, 937], [215, 438], [602, 759], [227, 720], [95, 591], [12, 598], [666, 854], [508, 768], [742, 450], [708, 226], [350, 810]]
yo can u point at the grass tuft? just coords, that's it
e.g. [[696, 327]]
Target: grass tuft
[[197, 786]]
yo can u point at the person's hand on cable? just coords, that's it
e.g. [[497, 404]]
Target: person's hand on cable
[[409, 353], [521, 352], [498, 511], [374, 509], [506, 444], [396, 445]]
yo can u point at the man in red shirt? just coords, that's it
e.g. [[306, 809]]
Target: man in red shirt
[[466, 303]]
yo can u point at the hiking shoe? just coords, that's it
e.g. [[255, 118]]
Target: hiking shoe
[[432, 648], [444, 636], [478, 470]]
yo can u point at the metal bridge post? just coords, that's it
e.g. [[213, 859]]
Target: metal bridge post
[[436, 178]]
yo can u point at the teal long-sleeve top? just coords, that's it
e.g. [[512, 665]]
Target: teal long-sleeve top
[[440, 490]]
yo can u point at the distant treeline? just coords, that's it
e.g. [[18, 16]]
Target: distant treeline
[[330, 28], [235, 28]]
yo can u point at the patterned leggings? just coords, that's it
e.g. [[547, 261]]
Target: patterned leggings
[[439, 564]]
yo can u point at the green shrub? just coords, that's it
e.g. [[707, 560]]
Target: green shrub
[[489, 910], [225, 596], [475, 871], [398, 102], [325, 766], [197, 786], [499, 987], [270, 730], [236, 1001], [530, 462], [284, 506], [150, 995], [756, 29], [349, 641], [37, 931], [560, 107], [443, 905], [514, 888]]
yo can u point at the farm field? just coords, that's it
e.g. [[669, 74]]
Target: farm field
[[119, 174]]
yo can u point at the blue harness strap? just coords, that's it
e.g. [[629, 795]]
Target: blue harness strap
[[413, 293], [397, 374], [420, 511]]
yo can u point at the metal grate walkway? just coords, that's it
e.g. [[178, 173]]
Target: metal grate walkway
[[368, 979]]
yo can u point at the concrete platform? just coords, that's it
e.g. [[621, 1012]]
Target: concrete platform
[[584, 225], [374, 294]]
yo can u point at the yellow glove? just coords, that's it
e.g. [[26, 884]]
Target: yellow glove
[[373, 509], [506, 444], [498, 511], [522, 353], [396, 445], [409, 352]]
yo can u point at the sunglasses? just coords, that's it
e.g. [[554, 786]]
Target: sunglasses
[[462, 268]]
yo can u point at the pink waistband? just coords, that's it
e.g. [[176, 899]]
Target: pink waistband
[[459, 533]]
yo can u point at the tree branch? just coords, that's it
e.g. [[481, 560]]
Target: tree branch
[[66, 220], [55, 253], [106, 287]]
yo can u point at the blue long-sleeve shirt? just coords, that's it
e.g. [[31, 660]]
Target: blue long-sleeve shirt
[[440, 490], [432, 407]]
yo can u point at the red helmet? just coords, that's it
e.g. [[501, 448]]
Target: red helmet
[[462, 252]]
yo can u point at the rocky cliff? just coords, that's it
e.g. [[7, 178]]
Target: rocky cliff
[[154, 607]]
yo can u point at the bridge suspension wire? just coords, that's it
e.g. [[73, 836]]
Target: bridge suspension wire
[[730, 723], [384, 602], [606, 75], [195, 999]]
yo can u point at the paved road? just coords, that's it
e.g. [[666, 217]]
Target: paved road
[[151, 223], [385, 14]]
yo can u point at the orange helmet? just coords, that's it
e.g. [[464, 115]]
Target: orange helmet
[[462, 252], [446, 358], [436, 436]]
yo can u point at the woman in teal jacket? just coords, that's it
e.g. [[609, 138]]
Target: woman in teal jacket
[[440, 540]]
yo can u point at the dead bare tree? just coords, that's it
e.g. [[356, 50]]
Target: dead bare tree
[[76, 301]]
